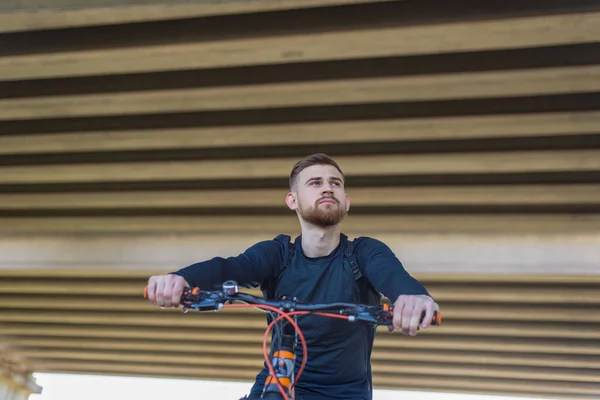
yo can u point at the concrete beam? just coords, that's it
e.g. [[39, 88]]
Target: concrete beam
[[554, 254], [20, 15], [14, 5]]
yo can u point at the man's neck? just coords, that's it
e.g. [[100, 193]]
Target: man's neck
[[318, 241]]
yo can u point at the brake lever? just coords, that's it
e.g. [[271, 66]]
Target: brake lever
[[377, 315], [195, 299], [384, 315]]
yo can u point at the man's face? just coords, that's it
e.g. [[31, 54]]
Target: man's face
[[319, 196]]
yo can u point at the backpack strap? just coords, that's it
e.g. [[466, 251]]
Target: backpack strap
[[349, 254], [288, 246], [288, 253], [368, 293], [270, 290]]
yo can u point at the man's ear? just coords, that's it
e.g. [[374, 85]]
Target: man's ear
[[291, 201]]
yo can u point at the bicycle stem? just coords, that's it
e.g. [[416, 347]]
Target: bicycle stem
[[284, 362]]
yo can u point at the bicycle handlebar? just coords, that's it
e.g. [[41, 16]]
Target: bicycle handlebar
[[200, 300]]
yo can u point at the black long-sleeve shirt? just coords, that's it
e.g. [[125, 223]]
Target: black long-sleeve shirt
[[339, 352]]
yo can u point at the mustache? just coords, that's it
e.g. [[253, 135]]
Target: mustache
[[328, 198]]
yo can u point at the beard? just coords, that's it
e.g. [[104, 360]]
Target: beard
[[321, 215]]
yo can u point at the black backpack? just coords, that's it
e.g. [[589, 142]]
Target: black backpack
[[367, 294]]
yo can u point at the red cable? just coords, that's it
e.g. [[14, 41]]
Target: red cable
[[302, 340], [266, 336], [287, 316], [300, 334], [323, 314]]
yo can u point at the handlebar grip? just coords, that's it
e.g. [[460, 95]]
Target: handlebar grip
[[186, 292], [436, 320]]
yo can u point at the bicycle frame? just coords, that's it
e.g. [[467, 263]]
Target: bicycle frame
[[281, 359]]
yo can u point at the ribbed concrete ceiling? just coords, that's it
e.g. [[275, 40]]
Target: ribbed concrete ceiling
[[474, 119], [511, 336]]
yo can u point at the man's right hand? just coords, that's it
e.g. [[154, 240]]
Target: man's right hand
[[166, 290]]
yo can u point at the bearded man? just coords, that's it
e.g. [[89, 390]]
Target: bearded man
[[339, 353]]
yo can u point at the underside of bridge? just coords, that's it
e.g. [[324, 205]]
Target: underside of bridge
[[137, 139]]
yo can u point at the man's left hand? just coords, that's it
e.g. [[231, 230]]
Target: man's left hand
[[408, 310]]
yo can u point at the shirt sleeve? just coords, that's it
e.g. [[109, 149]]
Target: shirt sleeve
[[250, 269], [385, 271]]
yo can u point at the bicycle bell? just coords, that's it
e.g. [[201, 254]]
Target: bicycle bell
[[230, 288]]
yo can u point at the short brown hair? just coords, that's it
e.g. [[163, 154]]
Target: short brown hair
[[313, 159]]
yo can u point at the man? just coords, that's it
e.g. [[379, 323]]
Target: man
[[339, 352]]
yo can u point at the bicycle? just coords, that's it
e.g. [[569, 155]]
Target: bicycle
[[281, 358]]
